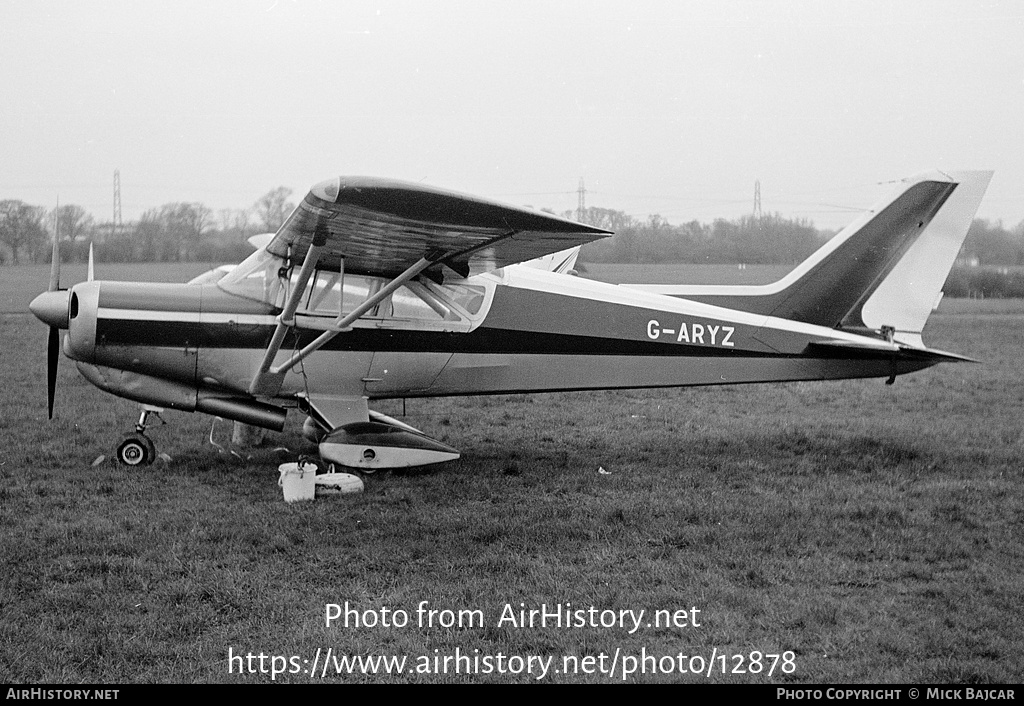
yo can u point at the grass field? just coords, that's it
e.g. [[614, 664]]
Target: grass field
[[875, 532]]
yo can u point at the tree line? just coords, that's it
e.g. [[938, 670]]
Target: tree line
[[771, 239], [183, 231], [174, 232]]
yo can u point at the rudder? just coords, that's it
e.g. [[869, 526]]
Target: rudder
[[904, 299]]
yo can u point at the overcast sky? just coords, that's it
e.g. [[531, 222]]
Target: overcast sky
[[674, 108]]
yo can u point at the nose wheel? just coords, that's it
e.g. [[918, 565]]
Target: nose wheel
[[137, 449]]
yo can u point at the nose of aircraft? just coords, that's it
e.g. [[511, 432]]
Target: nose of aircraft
[[52, 308]]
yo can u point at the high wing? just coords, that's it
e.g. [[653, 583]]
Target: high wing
[[382, 227], [400, 231]]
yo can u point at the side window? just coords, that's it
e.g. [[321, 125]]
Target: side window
[[421, 302], [406, 305], [469, 297], [324, 294], [417, 303]]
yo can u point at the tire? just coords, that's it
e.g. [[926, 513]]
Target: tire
[[136, 450]]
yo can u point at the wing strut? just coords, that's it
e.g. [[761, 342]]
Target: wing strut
[[267, 376], [287, 318]]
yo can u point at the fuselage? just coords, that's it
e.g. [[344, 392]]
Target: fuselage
[[515, 330]]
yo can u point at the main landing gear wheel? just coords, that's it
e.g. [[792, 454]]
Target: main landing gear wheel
[[136, 450]]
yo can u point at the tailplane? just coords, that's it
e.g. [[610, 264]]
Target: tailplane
[[883, 273], [562, 262]]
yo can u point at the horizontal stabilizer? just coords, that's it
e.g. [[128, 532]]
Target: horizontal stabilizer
[[935, 354], [260, 240], [874, 349]]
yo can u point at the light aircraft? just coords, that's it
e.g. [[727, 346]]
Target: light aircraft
[[376, 288]]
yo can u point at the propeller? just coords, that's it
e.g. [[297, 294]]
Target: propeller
[[52, 356], [51, 307], [53, 340]]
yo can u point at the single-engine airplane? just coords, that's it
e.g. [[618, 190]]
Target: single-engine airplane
[[375, 289]]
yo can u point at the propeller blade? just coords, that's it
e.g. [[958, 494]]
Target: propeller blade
[[52, 355], [91, 274], [55, 261], [39, 304]]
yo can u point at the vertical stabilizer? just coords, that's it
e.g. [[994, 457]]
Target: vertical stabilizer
[[908, 294], [883, 272]]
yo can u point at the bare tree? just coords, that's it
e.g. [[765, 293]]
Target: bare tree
[[242, 218], [183, 227], [147, 241], [273, 207], [21, 228], [72, 222], [226, 219], [197, 219]]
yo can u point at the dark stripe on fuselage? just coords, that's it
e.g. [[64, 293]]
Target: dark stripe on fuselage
[[518, 321], [183, 334]]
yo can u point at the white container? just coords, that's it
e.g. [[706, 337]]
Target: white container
[[338, 484], [298, 482]]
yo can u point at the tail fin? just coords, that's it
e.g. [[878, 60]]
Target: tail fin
[[913, 287], [884, 271]]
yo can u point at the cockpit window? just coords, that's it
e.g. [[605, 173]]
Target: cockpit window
[[417, 304], [255, 278]]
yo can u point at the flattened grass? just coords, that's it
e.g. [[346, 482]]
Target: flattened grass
[[875, 531]]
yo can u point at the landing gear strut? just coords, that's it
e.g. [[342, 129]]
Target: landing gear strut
[[137, 449]]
